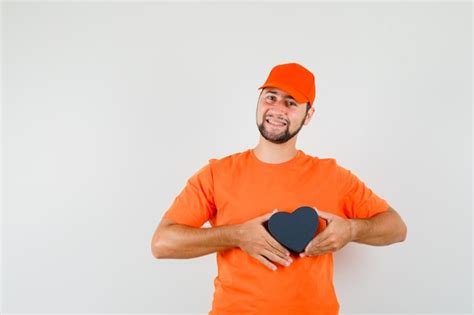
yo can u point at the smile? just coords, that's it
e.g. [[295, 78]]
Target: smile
[[275, 123]]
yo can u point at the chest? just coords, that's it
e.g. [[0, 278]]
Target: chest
[[244, 197]]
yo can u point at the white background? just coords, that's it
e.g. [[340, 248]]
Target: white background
[[109, 107]]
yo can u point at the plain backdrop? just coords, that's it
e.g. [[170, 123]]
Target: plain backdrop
[[108, 108]]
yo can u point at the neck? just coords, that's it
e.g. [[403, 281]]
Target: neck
[[270, 152]]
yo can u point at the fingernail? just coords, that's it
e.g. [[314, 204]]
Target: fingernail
[[274, 268]]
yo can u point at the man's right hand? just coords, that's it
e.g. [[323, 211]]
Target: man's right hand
[[254, 239]]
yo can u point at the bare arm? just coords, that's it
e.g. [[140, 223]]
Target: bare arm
[[382, 229], [172, 240]]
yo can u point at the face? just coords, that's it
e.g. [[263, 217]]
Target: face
[[279, 116]]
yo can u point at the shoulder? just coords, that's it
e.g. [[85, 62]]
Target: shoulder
[[229, 161], [327, 167], [334, 166], [217, 166], [321, 162]]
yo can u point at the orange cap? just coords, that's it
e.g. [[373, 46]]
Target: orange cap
[[295, 80]]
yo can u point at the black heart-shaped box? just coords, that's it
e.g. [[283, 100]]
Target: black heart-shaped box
[[294, 230]]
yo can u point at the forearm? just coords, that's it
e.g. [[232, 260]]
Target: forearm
[[181, 241], [382, 229]]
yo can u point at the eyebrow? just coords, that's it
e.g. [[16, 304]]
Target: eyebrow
[[275, 92]]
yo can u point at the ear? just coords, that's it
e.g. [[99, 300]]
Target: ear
[[309, 115]]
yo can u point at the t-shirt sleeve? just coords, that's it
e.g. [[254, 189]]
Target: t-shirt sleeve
[[194, 205], [356, 199]]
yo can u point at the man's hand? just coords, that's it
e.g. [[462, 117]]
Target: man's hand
[[254, 239], [336, 235]]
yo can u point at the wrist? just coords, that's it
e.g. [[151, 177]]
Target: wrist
[[358, 228], [235, 234], [352, 225]]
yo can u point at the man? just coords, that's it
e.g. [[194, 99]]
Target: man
[[238, 193]]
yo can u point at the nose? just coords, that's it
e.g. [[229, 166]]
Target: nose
[[279, 106]]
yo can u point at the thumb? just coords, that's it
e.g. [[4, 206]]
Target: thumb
[[327, 216]]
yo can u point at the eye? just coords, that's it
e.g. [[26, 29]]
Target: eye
[[293, 104], [270, 99]]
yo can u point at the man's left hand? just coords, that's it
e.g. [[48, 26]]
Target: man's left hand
[[334, 237]]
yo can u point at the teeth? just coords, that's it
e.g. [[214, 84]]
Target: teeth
[[275, 122]]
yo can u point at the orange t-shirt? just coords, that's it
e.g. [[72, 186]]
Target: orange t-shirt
[[240, 187]]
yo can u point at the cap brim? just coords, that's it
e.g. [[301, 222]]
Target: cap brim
[[299, 97]]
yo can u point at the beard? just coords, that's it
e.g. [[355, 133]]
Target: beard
[[278, 137]]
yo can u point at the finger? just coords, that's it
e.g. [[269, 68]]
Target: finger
[[274, 257], [322, 237], [324, 246], [318, 239], [278, 251], [266, 262], [328, 216], [283, 252], [316, 251], [316, 243], [327, 231], [266, 216]]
